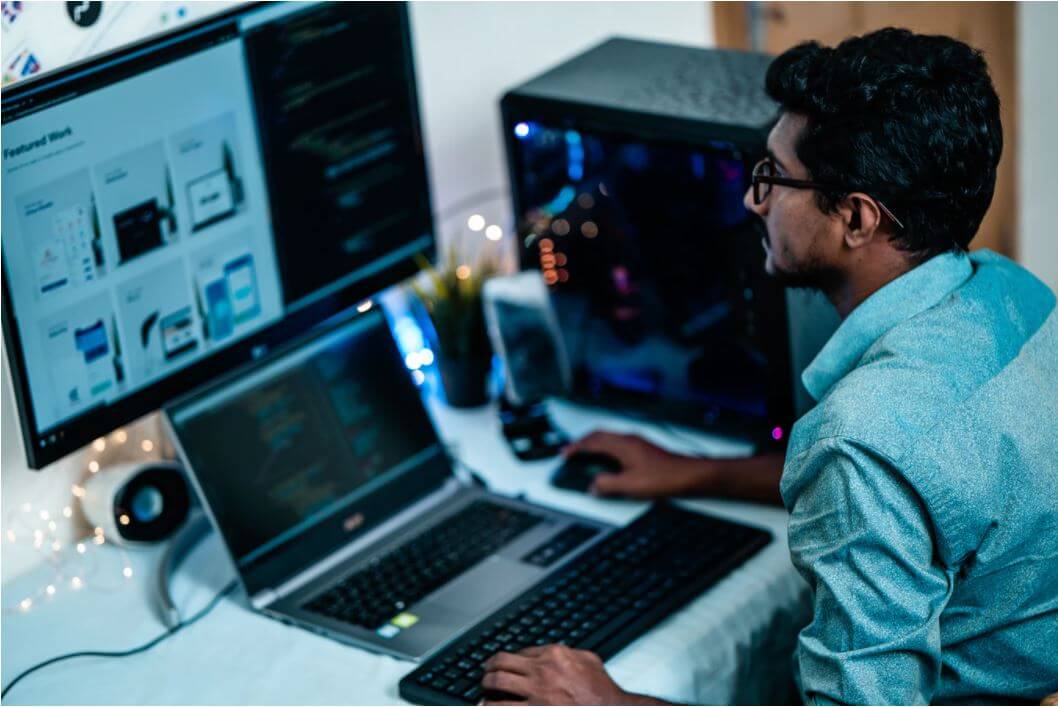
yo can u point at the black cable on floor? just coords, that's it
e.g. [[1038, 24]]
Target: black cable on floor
[[132, 651]]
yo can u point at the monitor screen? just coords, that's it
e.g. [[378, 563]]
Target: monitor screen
[[656, 274], [301, 439], [185, 204]]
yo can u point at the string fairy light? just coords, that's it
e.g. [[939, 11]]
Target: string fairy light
[[72, 563], [75, 566]]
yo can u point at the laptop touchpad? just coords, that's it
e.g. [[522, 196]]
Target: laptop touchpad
[[486, 586]]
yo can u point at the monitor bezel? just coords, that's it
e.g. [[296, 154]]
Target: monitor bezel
[[54, 443]]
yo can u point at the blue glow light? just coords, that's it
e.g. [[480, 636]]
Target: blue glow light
[[574, 156], [698, 165], [412, 344], [408, 334], [521, 130], [562, 200]]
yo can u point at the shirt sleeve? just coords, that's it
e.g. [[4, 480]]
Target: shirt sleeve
[[861, 538]]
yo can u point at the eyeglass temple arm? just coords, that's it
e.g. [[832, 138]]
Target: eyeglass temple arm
[[784, 181]]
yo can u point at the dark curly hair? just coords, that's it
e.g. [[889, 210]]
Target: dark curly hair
[[910, 119]]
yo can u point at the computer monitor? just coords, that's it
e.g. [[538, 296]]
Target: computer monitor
[[183, 205], [628, 167]]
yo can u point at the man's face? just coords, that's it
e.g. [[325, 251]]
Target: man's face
[[802, 244]]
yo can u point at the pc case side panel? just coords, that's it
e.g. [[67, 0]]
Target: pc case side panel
[[516, 109]]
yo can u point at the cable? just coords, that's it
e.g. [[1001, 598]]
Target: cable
[[195, 529], [132, 651]]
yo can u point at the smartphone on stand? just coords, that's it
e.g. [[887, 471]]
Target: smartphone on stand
[[524, 333]]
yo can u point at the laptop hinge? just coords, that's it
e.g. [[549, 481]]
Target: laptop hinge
[[263, 598], [446, 491]]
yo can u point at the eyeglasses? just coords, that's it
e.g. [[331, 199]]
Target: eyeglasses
[[764, 176]]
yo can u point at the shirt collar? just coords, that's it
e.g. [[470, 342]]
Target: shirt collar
[[908, 295]]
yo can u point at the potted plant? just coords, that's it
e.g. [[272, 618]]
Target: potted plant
[[450, 292]]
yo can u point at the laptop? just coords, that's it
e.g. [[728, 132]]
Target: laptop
[[339, 506]]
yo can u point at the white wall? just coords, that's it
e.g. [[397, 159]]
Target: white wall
[[1037, 140], [467, 55]]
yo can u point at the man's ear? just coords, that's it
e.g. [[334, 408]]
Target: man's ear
[[862, 219]]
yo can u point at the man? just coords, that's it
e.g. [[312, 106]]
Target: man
[[923, 487]]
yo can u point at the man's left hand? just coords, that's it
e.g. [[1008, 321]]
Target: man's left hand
[[553, 675]]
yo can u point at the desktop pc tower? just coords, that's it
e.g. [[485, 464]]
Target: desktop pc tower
[[628, 164]]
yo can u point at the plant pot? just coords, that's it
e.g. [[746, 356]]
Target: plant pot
[[465, 380]]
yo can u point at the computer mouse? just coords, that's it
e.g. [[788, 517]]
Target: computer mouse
[[581, 468]]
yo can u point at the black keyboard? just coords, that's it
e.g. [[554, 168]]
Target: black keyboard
[[600, 601], [390, 583]]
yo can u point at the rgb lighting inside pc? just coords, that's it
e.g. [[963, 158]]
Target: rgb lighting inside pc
[[656, 273]]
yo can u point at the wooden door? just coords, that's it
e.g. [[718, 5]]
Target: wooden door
[[988, 26]]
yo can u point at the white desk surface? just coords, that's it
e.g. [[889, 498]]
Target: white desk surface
[[731, 645]]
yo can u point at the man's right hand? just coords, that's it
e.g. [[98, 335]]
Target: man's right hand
[[647, 471]]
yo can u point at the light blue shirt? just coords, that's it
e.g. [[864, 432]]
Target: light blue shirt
[[923, 492]]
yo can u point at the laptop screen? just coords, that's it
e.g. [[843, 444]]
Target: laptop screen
[[305, 439]]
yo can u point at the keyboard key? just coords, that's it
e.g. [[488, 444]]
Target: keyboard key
[[459, 687]]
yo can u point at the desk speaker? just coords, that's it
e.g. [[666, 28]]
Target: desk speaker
[[137, 503]]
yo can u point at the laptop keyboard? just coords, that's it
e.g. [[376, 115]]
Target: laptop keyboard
[[390, 583], [600, 601]]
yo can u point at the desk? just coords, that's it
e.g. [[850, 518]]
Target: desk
[[731, 645]]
